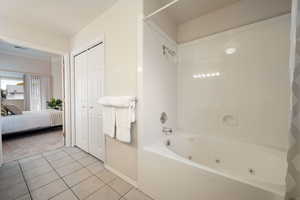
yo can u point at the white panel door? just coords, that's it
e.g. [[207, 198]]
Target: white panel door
[[95, 91], [81, 102]]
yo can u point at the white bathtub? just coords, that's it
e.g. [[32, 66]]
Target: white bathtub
[[194, 167]]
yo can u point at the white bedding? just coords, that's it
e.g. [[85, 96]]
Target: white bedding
[[31, 120]]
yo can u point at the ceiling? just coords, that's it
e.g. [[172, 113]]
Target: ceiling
[[185, 10], [64, 17], [11, 49]]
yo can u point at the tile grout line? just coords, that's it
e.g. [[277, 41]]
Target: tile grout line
[[9, 187], [105, 184], [100, 188], [121, 196], [25, 180], [29, 156], [87, 177], [32, 155], [83, 167], [93, 174], [61, 178], [22, 158], [54, 170]]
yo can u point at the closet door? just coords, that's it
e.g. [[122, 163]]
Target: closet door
[[95, 91], [81, 102]]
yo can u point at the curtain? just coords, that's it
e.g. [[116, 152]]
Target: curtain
[[45, 91], [293, 175], [37, 92], [27, 81]]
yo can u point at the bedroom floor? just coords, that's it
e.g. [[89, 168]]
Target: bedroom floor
[[32, 143], [63, 174]]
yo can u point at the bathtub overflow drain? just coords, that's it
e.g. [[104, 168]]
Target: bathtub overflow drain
[[251, 171], [218, 161], [190, 157]]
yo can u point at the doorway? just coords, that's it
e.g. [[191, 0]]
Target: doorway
[[32, 101]]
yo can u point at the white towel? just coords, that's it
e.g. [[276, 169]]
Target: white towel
[[119, 113], [109, 121], [123, 125], [124, 118], [121, 101]]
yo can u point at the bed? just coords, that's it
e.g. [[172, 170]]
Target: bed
[[31, 120]]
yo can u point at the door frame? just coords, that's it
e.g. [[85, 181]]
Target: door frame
[[65, 58], [75, 52]]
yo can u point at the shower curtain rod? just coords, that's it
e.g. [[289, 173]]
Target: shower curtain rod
[[160, 9]]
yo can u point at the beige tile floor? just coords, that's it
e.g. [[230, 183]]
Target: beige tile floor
[[32, 143], [66, 173]]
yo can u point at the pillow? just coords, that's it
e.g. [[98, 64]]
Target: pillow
[[4, 111], [14, 109]]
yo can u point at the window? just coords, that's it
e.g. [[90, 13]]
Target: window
[[12, 88]]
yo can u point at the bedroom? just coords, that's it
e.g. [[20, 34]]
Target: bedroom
[[31, 101]]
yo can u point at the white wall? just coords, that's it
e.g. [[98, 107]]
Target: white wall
[[253, 85], [56, 75], [15, 63], [119, 25], [159, 85]]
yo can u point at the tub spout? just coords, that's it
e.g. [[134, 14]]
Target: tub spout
[[167, 131]]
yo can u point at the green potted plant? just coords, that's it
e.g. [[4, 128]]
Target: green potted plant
[[55, 104]]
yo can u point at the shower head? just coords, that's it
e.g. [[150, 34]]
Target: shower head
[[167, 50]]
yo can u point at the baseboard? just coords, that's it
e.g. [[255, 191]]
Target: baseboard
[[122, 176]]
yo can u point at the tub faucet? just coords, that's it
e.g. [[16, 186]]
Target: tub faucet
[[167, 131]]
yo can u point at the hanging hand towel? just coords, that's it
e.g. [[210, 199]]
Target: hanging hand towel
[[124, 109], [109, 121], [123, 125], [124, 118]]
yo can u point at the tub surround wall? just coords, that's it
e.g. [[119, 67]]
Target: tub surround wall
[[158, 91], [119, 26], [159, 84], [233, 85], [249, 99]]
